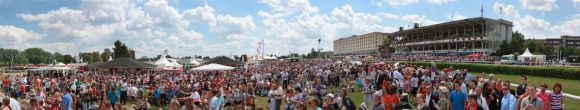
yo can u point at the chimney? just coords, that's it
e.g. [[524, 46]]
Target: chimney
[[416, 25], [401, 28]]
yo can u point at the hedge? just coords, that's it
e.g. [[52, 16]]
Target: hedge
[[542, 71]]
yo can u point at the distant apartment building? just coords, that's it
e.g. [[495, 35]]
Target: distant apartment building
[[564, 41], [359, 45]]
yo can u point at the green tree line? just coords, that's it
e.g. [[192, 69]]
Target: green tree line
[[518, 45], [40, 56]]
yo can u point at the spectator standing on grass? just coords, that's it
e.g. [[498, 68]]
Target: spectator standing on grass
[[508, 101], [458, 98], [556, 99], [443, 103], [112, 96], [14, 104], [377, 103], [544, 95], [522, 87], [67, 100], [472, 103], [531, 102], [420, 98], [369, 90], [214, 101], [480, 99]]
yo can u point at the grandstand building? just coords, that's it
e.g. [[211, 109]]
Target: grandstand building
[[460, 37]]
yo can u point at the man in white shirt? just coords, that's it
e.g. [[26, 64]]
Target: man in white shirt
[[480, 99], [276, 94], [13, 102], [132, 92], [399, 78]]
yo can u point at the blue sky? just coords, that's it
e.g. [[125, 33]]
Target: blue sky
[[224, 27]]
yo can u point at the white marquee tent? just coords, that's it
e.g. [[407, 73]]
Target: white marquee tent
[[193, 62], [529, 57], [212, 67], [174, 63], [163, 62]]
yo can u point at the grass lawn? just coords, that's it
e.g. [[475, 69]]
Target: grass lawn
[[568, 86]]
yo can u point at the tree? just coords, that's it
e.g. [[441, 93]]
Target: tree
[[313, 54], [38, 56], [20, 59], [106, 54], [517, 43], [68, 59], [120, 50], [6, 55], [58, 57], [87, 57], [504, 49], [538, 47], [97, 57]]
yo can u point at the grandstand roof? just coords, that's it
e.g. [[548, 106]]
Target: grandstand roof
[[451, 25]]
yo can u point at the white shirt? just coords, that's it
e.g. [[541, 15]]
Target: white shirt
[[481, 101], [428, 98], [195, 96], [399, 78], [132, 91], [14, 104]]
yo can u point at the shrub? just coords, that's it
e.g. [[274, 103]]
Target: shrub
[[542, 71]]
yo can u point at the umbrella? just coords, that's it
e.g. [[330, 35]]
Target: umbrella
[[474, 55]]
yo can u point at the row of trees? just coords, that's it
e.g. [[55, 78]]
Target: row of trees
[[32, 56], [518, 45], [40, 56]]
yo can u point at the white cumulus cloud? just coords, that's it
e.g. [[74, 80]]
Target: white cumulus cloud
[[12, 35], [540, 5], [439, 1]]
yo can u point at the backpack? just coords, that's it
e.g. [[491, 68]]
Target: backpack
[[349, 104]]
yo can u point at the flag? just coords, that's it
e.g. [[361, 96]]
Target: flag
[[260, 50]]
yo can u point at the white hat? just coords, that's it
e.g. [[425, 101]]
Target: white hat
[[330, 95]]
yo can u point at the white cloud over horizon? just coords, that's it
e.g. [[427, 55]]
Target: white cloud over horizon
[[151, 26]]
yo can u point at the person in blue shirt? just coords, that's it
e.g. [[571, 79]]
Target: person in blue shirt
[[67, 100], [458, 98], [112, 95], [215, 104], [157, 95], [508, 102]]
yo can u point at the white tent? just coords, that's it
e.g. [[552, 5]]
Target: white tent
[[60, 64], [529, 57], [212, 67], [270, 58], [163, 62], [175, 64], [193, 62]]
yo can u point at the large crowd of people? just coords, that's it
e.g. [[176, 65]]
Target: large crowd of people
[[299, 85]]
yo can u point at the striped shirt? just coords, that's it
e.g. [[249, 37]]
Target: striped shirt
[[556, 101]]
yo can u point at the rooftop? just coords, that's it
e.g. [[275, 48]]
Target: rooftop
[[451, 24]]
